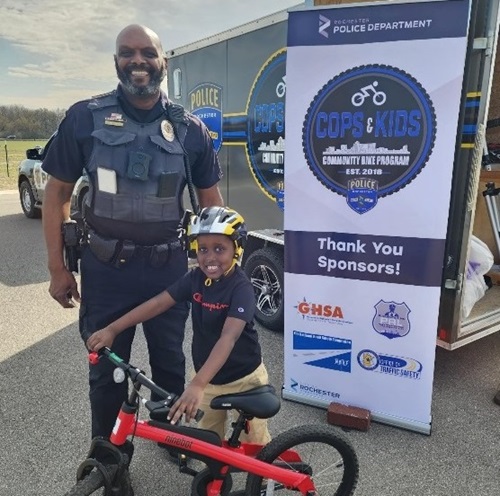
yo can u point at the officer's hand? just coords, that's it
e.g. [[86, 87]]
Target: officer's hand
[[187, 404], [63, 288], [100, 339]]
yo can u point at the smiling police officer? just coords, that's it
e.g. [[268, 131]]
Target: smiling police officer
[[136, 146]]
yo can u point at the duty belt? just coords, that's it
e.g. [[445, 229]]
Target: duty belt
[[119, 252]]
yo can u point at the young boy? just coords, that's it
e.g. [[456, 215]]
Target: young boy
[[225, 348]]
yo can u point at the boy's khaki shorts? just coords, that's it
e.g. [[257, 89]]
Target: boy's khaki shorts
[[215, 420]]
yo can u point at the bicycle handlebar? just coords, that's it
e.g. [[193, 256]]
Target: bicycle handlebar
[[137, 375]]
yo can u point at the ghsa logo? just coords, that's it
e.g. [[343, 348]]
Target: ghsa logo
[[318, 311], [391, 319], [368, 133]]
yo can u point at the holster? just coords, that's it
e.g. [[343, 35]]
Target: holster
[[103, 249], [126, 250], [72, 235]]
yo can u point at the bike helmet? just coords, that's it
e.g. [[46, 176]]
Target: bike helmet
[[218, 220]]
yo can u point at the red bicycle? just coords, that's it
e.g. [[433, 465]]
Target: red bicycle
[[311, 460]]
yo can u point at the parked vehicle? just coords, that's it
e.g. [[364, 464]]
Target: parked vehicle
[[32, 180]]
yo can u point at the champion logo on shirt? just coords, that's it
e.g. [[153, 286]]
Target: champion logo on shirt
[[198, 298]]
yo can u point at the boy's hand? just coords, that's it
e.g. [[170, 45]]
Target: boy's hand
[[100, 339], [187, 404]]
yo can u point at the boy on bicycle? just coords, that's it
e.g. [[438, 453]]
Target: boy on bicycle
[[225, 349]]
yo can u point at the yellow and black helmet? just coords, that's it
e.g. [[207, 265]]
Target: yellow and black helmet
[[218, 220]]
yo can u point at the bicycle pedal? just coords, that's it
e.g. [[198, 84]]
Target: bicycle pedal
[[184, 468]]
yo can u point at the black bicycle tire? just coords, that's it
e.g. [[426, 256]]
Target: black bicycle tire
[[88, 485], [95, 481], [303, 434]]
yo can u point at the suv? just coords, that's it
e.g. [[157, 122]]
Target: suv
[[32, 179]]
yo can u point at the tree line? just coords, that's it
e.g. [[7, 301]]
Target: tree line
[[20, 122]]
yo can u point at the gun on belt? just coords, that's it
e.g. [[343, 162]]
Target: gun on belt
[[72, 236]]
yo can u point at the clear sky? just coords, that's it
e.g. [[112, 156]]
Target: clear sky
[[56, 52]]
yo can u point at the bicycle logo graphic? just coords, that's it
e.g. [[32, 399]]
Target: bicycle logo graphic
[[378, 97], [281, 88]]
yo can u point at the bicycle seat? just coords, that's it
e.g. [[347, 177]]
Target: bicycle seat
[[260, 402]]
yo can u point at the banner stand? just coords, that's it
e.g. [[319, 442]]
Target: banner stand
[[411, 425]]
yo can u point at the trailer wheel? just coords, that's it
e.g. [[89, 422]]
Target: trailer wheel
[[265, 268]]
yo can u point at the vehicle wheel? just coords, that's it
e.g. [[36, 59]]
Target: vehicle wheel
[[93, 484], [326, 456], [28, 201], [202, 478], [265, 269]]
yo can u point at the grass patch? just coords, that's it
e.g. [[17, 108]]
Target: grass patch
[[11, 153]]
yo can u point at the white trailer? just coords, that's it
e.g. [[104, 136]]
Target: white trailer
[[236, 82]]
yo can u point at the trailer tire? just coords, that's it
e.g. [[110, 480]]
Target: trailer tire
[[265, 270]]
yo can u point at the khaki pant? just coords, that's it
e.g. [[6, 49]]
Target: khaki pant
[[215, 420]]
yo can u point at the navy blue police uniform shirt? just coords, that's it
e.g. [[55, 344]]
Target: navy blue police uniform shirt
[[231, 296], [72, 146]]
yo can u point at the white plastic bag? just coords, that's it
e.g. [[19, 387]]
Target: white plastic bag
[[480, 261]]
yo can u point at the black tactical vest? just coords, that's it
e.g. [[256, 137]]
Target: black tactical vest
[[136, 173]]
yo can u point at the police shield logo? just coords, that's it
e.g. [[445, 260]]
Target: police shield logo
[[205, 101], [391, 319]]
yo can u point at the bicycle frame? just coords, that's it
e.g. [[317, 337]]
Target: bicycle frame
[[240, 457]]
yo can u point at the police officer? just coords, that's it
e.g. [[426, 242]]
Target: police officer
[[136, 147]]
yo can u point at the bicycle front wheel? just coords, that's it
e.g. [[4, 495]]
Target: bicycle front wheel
[[326, 456], [93, 484]]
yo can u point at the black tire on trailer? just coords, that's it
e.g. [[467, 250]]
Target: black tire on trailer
[[332, 451], [28, 201], [93, 484], [265, 268]]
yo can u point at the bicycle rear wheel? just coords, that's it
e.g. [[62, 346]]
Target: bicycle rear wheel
[[326, 456], [93, 484]]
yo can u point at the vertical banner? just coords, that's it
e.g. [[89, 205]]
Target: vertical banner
[[373, 98]]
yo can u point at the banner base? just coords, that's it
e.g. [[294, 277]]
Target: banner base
[[402, 423]]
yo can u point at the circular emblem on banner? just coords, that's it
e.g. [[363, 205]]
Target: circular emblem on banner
[[266, 127], [368, 359], [368, 132]]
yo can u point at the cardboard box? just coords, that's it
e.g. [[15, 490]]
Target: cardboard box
[[494, 275]]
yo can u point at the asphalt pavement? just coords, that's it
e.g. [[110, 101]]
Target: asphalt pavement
[[44, 412]]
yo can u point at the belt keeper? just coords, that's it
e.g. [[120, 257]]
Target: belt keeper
[[126, 252], [159, 255]]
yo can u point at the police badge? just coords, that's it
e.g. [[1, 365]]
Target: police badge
[[167, 130]]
